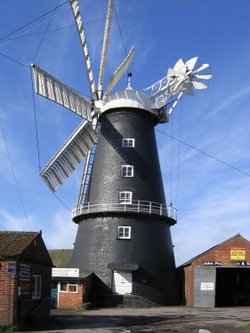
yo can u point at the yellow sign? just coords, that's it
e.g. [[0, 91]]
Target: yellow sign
[[237, 254]]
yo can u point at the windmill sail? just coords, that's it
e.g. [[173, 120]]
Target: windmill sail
[[120, 71], [81, 141], [79, 23], [105, 45], [69, 155], [48, 86]]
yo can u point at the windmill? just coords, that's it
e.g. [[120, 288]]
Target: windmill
[[123, 220]]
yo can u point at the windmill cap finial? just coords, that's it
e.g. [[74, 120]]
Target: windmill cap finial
[[129, 81]]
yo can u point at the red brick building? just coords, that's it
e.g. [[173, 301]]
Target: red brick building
[[218, 277], [25, 278], [70, 290]]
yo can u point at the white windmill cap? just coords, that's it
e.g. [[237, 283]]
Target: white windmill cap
[[128, 98]]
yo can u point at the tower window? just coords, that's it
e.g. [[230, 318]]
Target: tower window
[[128, 142], [124, 232], [125, 197], [127, 171]]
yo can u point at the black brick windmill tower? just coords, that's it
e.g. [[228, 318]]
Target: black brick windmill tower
[[123, 219]]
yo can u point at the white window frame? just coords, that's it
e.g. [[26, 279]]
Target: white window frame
[[74, 284], [128, 142], [127, 170], [36, 286], [125, 197], [124, 232]]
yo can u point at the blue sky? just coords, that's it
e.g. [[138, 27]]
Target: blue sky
[[212, 198]]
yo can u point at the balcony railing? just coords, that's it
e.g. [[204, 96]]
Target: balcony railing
[[136, 206]]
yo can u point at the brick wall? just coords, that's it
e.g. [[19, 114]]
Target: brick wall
[[189, 285], [71, 300], [14, 307], [220, 254], [7, 295]]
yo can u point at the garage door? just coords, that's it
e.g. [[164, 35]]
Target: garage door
[[204, 287]]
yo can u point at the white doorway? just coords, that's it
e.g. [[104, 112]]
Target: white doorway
[[122, 282]]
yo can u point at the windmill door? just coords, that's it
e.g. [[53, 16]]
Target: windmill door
[[122, 282]]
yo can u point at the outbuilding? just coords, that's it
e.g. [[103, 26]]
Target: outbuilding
[[70, 289], [218, 277], [25, 278]]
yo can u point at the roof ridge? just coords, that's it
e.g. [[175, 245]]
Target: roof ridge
[[213, 248], [13, 243]]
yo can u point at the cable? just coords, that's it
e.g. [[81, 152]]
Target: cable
[[45, 31], [32, 84], [16, 183], [123, 44], [171, 161], [179, 154], [144, 9], [42, 32], [60, 200], [14, 60], [206, 154], [93, 21], [37, 139], [14, 176], [32, 21], [23, 188]]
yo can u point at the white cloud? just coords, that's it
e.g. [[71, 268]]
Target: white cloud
[[230, 100], [15, 223], [218, 212], [60, 232]]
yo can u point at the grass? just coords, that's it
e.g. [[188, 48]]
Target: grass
[[8, 328], [246, 329]]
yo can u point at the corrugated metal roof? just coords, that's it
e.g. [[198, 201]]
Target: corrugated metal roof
[[13, 243], [61, 258]]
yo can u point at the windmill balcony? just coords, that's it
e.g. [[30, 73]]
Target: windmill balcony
[[136, 207]]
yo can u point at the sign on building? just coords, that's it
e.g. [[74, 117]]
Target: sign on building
[[65, 272], [11, 267], [24, 278], [237, 254], [207, 286]]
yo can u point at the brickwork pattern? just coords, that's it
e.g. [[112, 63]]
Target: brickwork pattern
[[71, 300], [7, 292], [220, 254]]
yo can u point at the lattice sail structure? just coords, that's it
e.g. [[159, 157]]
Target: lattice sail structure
[[69, 155], [48, 86]]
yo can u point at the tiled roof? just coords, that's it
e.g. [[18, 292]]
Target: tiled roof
[[13, 243], [60, 258]]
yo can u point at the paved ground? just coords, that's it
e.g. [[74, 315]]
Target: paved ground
[[161, 319]]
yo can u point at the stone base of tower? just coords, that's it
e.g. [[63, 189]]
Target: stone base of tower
[[131, 271]]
